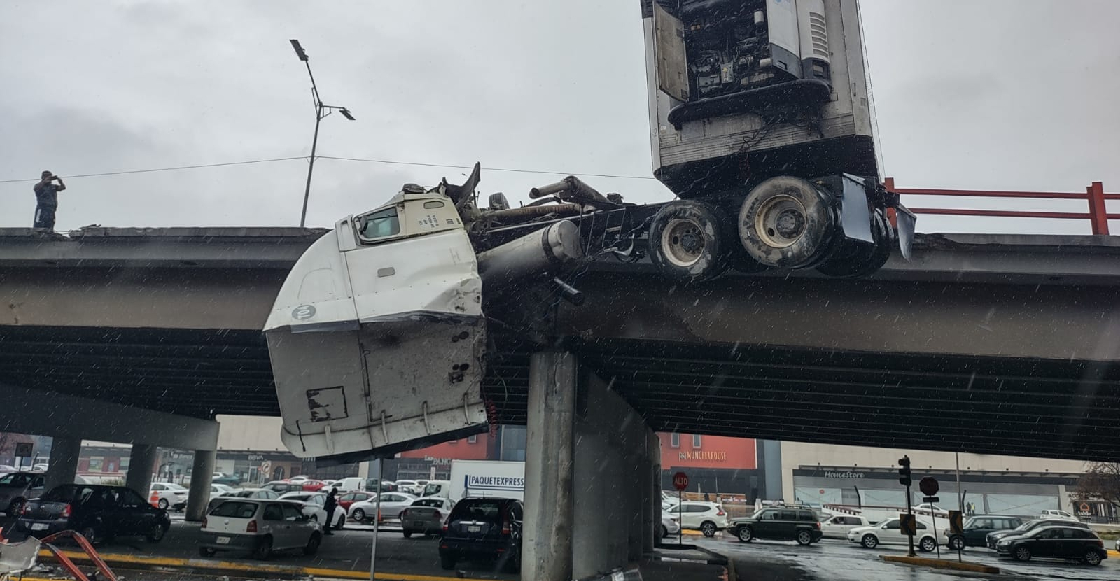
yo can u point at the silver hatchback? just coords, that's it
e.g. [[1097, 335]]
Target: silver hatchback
[[19, 487]]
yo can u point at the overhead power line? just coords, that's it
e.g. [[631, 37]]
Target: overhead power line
[[334, 158], [159, 169], [517, 170]]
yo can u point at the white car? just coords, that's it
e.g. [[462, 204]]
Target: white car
[[890, 533], [217, 490], [927, 509], [1057, 515], [707, 517], [259, 527], [297, 479], [392, 503], [166, 495], [669, 525], [313, 503], [837, 526], [409, 487]]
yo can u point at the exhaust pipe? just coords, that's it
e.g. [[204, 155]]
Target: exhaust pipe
[[535, 254]]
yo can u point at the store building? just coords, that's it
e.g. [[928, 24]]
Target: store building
[[714, 464]]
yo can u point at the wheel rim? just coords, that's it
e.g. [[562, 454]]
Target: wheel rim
[[804, 538], [870, 542], [1022, 554], [1092, 558], [15, 508], [163, 503], [708, 529], [780, 221], [744, 534], [927, 544], [359, 514], [683, 242]]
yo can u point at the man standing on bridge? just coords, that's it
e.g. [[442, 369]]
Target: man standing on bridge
[[46, 201]]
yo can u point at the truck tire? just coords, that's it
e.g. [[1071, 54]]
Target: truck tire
[[786, 222], [852, 258], [687, 241]]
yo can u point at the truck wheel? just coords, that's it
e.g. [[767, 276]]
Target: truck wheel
[[853, 258], [686, 241], [786, 222]]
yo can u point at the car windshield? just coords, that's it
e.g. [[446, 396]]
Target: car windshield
[[777, 265]]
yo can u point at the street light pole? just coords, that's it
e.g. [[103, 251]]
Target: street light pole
[[311, 162], [321, 112]]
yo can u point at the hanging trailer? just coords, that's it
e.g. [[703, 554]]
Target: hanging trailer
[[761, 125]]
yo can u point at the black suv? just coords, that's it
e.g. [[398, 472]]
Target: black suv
[[99, 513], [992, 538], [976, 530], [483, 528], [779, 524]]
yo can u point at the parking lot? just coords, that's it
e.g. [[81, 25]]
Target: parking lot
[[839, 560]]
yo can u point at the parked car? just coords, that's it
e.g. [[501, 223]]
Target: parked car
[[284, 486], [97, 512], [346, 499], [409, 487], [19, 487], [297, 479], [779, 524], [224, 479], [890, 533], [977, 528], [483, 528], [167, 495], [1058, 515], [245, 493], [1054, 541], [707, 517], [669, 525], [837, 526], [391, 505], [313, 503], [991, 539], [386, 485], [425, 516], [217, 490], [259, 527]]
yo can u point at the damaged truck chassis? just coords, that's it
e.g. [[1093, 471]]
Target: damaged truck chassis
[[760, 124]]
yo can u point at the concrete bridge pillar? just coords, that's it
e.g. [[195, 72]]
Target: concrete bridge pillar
[[202, 474], [652, 483], [141, 460], [63, 465], [589, 488], [546, 553]]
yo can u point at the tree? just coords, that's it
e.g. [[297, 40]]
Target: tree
[[1101, 480]]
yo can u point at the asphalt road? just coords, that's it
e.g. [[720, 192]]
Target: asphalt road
[[839, 560], [348, 549]]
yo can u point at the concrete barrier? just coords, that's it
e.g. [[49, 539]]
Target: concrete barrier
[[939, 564]]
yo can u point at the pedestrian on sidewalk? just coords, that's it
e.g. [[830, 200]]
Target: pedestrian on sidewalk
[[46, 200], [329, 506]]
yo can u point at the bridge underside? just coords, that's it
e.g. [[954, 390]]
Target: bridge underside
[[988, 405]]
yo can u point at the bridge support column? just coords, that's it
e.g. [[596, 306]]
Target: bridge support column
[[202, 473], [652, 485], [63, 465], [546, 553], [141, 460]]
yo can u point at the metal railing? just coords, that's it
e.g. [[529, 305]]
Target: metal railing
[[1094, 196]]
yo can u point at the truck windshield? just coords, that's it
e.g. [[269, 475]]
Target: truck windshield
[[380, 224], [432, 489]]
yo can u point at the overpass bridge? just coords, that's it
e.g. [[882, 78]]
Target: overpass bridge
[[990, 344], [987, 344]]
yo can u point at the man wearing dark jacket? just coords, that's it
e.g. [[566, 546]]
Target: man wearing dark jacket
[[46, 200], [329, 506]]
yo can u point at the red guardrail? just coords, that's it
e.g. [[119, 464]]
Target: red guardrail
[[1094, 196]]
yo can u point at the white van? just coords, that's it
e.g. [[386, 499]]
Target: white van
[[438, 489], [351, 484]]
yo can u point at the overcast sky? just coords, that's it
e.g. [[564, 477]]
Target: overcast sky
[[1008, 94]]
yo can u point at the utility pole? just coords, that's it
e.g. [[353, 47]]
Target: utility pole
[[321, 112]]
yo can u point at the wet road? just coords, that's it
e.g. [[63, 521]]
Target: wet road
[[348, 549], [838, 560]]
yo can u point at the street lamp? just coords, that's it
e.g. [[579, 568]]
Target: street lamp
[[321, 112]]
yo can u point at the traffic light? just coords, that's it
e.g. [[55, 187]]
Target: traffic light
[[904, 472]]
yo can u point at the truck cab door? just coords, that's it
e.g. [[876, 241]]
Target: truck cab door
[[669, 53]]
